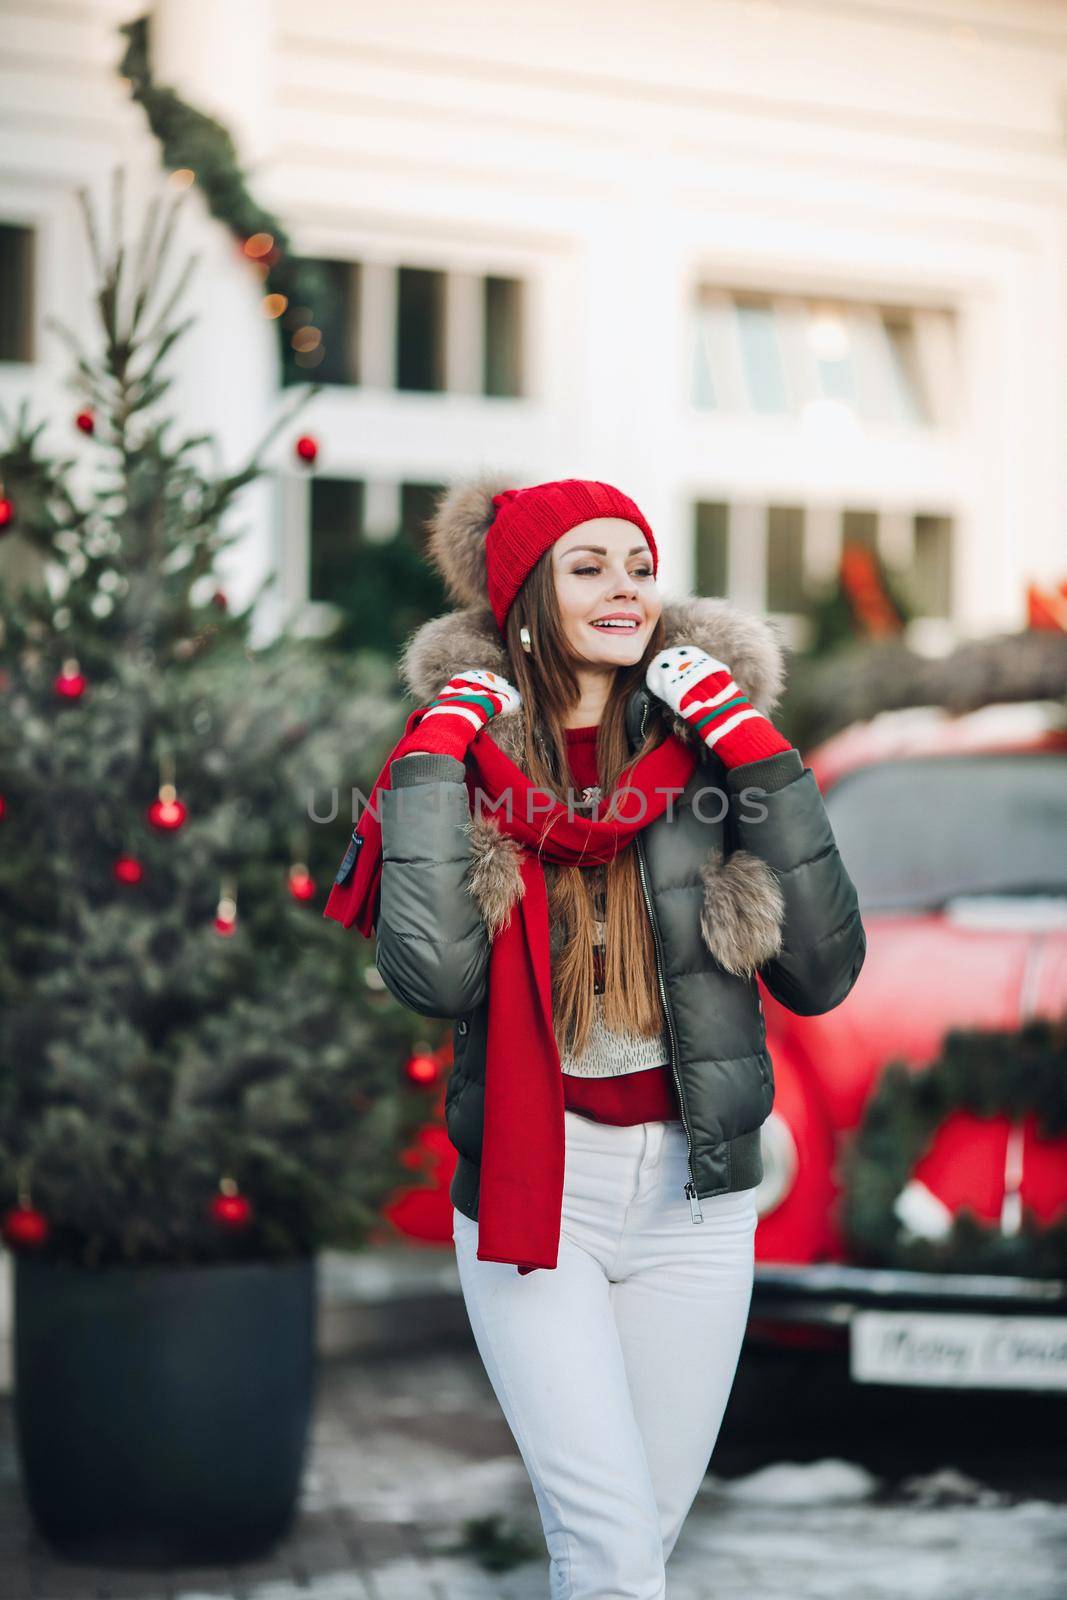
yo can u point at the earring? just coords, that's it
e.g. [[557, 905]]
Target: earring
[[524, 637]]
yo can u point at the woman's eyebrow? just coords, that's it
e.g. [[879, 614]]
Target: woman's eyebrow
[[601, 550]]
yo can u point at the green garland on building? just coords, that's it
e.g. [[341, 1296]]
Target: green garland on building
[[1011, 1073], [191, 139]]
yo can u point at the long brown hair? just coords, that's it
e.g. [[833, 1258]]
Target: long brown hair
[[549, 688]]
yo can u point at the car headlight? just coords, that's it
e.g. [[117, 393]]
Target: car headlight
[[780, 1162]]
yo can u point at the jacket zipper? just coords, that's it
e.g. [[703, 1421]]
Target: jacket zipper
[[690, 1188]]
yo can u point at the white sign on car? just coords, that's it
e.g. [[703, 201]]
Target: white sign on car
[[961, 1350]]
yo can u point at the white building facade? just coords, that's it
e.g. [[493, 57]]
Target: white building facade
[[786, 272]]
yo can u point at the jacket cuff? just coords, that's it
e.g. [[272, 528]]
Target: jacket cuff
[[773, 772], [425, 766]]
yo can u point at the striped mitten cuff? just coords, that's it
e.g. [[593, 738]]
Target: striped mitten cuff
[[460, 711], [702, 690]]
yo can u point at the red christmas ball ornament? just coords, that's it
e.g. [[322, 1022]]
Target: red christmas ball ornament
[[127, 869], [421, 1067], [229, 1207], [85, 420], [7, 513], [69, 683], [167, 812], [219, 600], [24, 1227], [301, 883], [307, 449]]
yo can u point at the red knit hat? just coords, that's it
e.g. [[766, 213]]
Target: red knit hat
[[529, 521]]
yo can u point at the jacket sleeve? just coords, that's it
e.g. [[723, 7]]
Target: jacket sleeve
[[432, 946], [785, 824]]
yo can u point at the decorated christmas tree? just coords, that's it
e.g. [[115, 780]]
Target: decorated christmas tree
[[193, 1067]]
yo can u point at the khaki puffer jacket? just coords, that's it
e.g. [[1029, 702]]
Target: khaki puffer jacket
[[737, 885]]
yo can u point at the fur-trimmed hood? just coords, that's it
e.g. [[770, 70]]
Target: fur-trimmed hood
[[469, 637], [743, 907]]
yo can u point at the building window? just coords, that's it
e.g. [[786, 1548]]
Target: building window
[[367, 560], [335, 535], [389, 327], [335, 357], [785, 586], [766, 354], [17, 254], [420, 329], [833, 353], [761, 355], [503, 336], [417, 501], [711, 566], [860, 527], [931, 575], [792, 546], [908, 399]]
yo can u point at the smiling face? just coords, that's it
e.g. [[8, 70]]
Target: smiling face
[[603, 570]]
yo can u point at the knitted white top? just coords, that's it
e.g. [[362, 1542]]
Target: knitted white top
[[610, 1053]]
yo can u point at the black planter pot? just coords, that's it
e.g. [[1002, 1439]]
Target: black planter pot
[[162, 1414]]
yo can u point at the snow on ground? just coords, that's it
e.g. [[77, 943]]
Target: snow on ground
[[816, 1535], [822, 1530], [404, 1451], [827, 1529], [437, 1451]]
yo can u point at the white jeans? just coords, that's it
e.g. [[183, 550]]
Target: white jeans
[[613, 1370]]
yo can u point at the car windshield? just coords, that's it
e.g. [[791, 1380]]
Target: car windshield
[[916, 833]]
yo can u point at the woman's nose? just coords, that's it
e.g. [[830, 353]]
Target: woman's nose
[[626, 585]]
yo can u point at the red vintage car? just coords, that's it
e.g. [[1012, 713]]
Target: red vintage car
[[954, 829]]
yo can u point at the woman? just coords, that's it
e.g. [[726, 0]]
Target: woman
[[586, 845]]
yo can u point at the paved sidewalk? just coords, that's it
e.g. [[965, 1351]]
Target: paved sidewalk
[[405, 1448], [401, 1449]]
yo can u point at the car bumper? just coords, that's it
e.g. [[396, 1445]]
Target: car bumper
[[825, 1295]]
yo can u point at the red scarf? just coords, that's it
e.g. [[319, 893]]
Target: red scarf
[[523, 1141]]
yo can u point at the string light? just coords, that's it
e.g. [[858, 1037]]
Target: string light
[[226, 910], [167, 812]]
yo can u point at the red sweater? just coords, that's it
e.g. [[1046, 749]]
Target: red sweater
[[647, 1096]]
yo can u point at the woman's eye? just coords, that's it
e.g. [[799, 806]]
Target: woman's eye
[[642, 572]]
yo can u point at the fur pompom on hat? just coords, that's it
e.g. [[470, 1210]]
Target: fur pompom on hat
[[484, 538]]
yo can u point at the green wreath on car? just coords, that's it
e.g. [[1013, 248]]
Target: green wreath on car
[[1014, 1074]]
